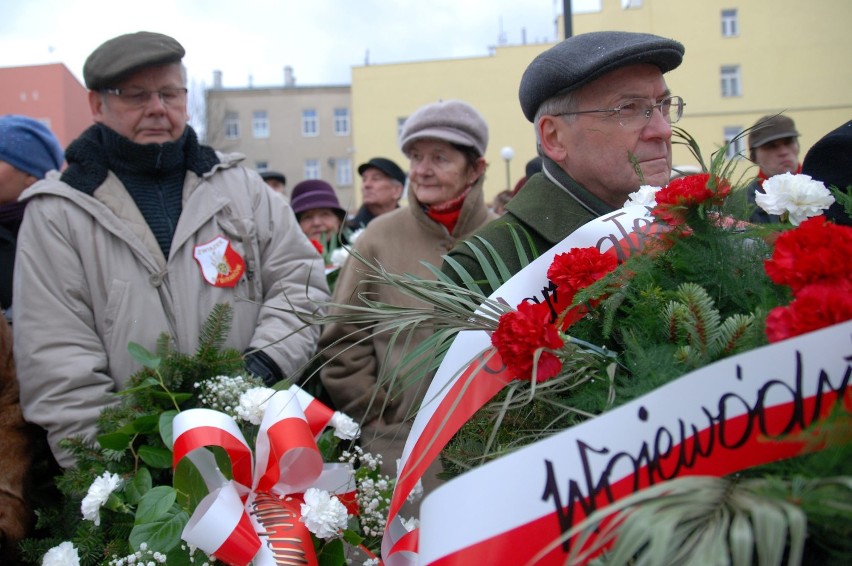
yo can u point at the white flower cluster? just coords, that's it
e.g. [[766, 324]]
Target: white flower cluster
[[645, 196], [252, 404], [797, 196], [323, 514], [62, 555], [223, 392], [142, 557], [373, 490], [98, 494]]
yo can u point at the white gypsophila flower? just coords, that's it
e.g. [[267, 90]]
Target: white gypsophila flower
[[416, 492], [371, 562], [253, 403], [344, 426], [645, 196], [799, 196], [63, 555], [98, 494], [323, 514], [222, 392]]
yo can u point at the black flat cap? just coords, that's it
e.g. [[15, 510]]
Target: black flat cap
[[583, 58], [275, 175], [384, 165], [120, 56]]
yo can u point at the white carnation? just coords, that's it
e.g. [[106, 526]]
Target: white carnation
[[645, 196], [98, 494], [63, 555], [799, 196], [338, 256], [253, 404], [344, 426], [323, 514]]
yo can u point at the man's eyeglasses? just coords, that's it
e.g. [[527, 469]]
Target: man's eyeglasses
[[638, 111], [139, 97]]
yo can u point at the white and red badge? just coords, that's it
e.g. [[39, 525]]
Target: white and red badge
[[221, 265]]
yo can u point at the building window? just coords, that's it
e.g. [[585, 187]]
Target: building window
[[232, 126], [261, 166], [343, 172], [730, 28], [731, 83], [312, 169], [400, 122], [735, 149], [341, 121], [631, 4], [310, 124], [260, 124]]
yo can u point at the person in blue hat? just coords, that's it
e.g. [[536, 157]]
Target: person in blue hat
[[28, 150]]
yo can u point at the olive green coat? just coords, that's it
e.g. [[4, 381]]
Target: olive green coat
[[549, 207]]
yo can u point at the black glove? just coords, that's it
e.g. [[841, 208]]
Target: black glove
[[260, 364]]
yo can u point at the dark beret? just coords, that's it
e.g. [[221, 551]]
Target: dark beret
[[384, 165], [578, 60], [120, 56]]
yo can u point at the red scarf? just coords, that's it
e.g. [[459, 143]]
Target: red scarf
[[761, 176], [447, 213]]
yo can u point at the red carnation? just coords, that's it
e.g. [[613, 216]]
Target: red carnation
[[520, 334], [817, 250], [675, 199], [579, 268], [816, 306], [318, 246]]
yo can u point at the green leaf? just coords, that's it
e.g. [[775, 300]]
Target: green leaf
[[138, 486], [189, 484], [162, 534], [143, 356], [166, 430], [146, 424], [156, 457], [331, 553], [147, 383], [155, 504], [352, 537], [117, 441]]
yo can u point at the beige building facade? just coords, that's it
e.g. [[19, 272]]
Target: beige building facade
[[744, 59], [305, 132]]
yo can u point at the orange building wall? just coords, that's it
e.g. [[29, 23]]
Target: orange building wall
[[49, 93]]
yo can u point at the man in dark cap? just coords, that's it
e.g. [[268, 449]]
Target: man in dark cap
[[773, 144], [382, 183], [602, 115], [276, 180], [145, 232]]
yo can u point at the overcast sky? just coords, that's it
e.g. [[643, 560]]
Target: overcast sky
[[255, 39]]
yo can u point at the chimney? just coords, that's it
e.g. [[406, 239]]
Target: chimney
[[289, 79], [217, 79]]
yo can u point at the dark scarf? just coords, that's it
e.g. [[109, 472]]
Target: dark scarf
[[153, 174]]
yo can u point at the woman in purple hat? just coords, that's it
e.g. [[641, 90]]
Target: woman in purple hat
[[317, 209]]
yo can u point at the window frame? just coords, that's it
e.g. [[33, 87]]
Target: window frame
[[260, 124], [231, 125], [310, 123], [730, 79]]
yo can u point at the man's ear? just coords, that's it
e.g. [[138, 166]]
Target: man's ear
[[96, 104], [552, 138]]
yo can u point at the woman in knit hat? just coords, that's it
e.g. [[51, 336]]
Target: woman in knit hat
[[317, 209], [445, 143]]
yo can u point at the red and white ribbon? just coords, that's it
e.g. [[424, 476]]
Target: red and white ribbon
[[264, 494]]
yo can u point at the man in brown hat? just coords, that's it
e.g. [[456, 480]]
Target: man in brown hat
[[773, 144], [602, 114], [145, 232]]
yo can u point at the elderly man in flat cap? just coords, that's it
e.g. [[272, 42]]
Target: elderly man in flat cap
[[602, 115], [382, 183], [145, 232]]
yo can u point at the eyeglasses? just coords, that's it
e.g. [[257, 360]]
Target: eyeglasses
[[139, 97], [638, 111]]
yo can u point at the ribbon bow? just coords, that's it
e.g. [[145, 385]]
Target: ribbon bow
[[262, 501]]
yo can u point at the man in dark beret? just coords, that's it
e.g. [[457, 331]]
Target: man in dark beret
[[602, 115], [382, 183], [145, 232]]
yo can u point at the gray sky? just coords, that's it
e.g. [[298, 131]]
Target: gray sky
[[320, 39]]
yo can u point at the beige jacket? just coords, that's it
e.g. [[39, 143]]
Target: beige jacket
[[399, 241], [90, 278]]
